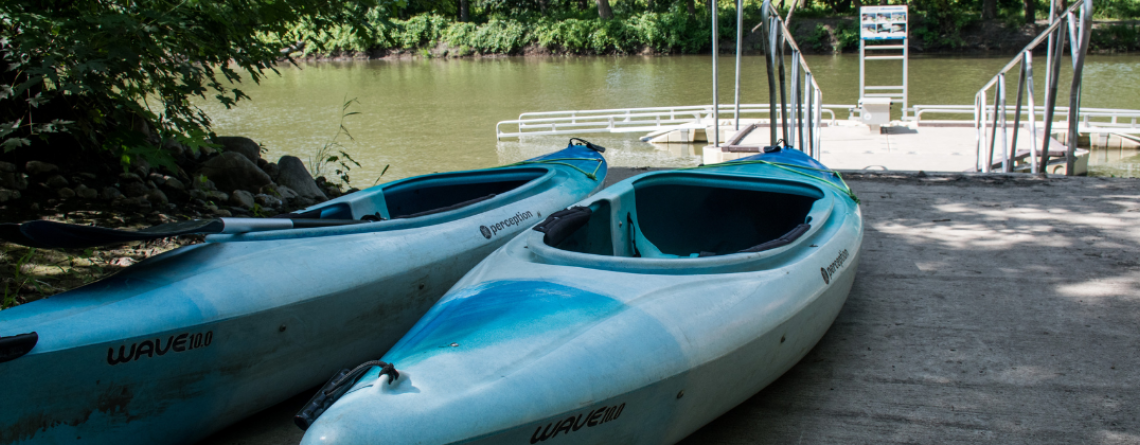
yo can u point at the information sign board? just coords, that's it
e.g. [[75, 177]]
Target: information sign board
[[882, 22]]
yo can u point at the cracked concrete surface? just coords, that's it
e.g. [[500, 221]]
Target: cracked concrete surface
[[987, 309]]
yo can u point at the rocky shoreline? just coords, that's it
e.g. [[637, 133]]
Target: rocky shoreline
[[232, 180]]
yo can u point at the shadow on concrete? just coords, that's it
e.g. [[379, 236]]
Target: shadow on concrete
[[986, 310]]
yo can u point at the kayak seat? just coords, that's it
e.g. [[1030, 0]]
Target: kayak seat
[[447, 208], [683, 220], [579, 229], [437, 195]]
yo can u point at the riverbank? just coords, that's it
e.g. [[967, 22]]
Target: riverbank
[[434, 36], [94, 189]]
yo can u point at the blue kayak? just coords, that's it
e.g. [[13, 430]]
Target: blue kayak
[[183, 344], [634, 317]]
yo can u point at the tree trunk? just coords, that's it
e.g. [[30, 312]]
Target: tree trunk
[[649, 5], [1030, 11], [463, 10], [690, 8], [989, 9], [604, 10], [582, 4]]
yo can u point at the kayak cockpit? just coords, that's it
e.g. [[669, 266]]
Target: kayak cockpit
[[679, 216], [413, 202], [426, 195]]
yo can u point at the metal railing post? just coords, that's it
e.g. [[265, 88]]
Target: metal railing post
[[1051, 97], [797, 116], [770, 57], [1075, 90], [716, 100], [1005, 162], [739, 49], [993, 133], [1028, 64], [783, 90], [810, 92], [1016, 118]]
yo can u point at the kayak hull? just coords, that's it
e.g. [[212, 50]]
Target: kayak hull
[[539, 344], [185, 343]]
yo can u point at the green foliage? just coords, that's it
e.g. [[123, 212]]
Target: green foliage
[[18, 280], [333, 152], [819, 40], [847, 34], [1116, 37], [117, 74], [1115, 9], [673, 31]]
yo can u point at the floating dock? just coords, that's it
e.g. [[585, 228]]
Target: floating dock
[[987, 308]]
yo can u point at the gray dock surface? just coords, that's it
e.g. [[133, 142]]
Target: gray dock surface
[[987, 309]]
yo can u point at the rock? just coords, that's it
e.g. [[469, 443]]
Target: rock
[[173, 183], [57, 181], [223, 212], [204, 184], [141, 167], [8, 179], [151, 185], [238, 144], [122, 261], [243, 199], [18, 181], [304, 201], [8, 195], [207, 150], [110, 193], [174, 147], [135, 189], [271, 169], [130, 177], [286, 193], [7, 167], [66, 192], [267, 201], [233, 171], [293, 174], [217, 196], [37, 167], [157, 179], [198, 194], [138, 201], [157, 198], [86, 193]]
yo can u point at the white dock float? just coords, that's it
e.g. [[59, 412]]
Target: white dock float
[[931, 147]]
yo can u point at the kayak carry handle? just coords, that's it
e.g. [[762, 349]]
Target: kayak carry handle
[[588, 144], [563, 223], [336, 387], [17, 346]]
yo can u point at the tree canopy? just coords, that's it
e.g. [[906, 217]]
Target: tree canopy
[[118, 74]]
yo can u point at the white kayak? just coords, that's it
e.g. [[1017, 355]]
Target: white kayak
[[635, 317]]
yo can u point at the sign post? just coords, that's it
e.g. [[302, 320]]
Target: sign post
[[883, 27]]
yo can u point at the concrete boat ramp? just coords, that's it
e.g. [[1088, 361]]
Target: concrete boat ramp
[[988, 309]]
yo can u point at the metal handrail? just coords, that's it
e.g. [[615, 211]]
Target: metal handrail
[[1112, 114], [1055, 35], [616, 120], [776, 37]]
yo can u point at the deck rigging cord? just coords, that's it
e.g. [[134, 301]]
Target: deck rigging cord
[[557, 161], [793, 168]]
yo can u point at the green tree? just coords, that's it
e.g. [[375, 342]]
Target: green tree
[[118, 74]]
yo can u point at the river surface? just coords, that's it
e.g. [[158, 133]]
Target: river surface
[[431, 115]]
